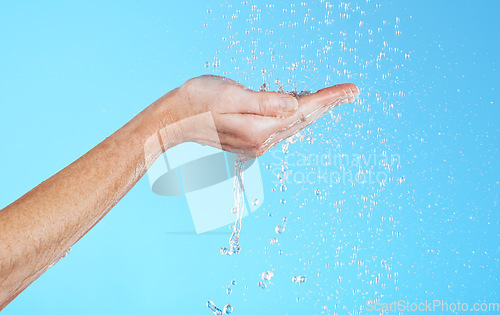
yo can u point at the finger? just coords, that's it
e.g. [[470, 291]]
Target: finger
[[259, 132], [276, 104], [240, 99], [272, 104], [311, 108], [255, 131], [347, 92]]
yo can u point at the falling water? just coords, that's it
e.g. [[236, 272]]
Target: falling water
[[331, 43], [239, 203], [228, 309]]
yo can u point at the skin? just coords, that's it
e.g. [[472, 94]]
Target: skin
[[37, 229]]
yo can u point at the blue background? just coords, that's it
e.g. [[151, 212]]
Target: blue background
[[71, 73]]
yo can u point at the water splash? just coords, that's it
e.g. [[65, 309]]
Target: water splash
[[228, 309], [267, 275], [63, 255], [280, 229], [299, 279], [239, 203], [359, 49], [283, 175], [211, 305]]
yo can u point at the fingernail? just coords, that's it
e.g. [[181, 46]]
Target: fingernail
[[288, 104]]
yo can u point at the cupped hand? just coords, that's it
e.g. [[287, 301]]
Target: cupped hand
[[248, 122]]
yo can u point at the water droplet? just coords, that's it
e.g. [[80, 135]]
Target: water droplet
[[283, 188], [273, 241], [66, 253], [299, 279], [211, 305], [279, 229], [59, 258], [229, 290], [233, 282], [317, 192], [267, 275], [262, 285], [228, 309]]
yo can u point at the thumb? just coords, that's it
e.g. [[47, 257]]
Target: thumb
[[277, 104]]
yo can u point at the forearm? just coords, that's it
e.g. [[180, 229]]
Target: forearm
[[39, 227]]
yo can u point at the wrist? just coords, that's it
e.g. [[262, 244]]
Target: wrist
[[157, 126]]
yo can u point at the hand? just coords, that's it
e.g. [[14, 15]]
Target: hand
[[248, 122]]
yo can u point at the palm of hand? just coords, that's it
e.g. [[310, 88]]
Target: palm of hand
[[248, 122]]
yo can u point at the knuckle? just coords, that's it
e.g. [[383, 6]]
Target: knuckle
[[226, 90], [189, 85], [263, 102]]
